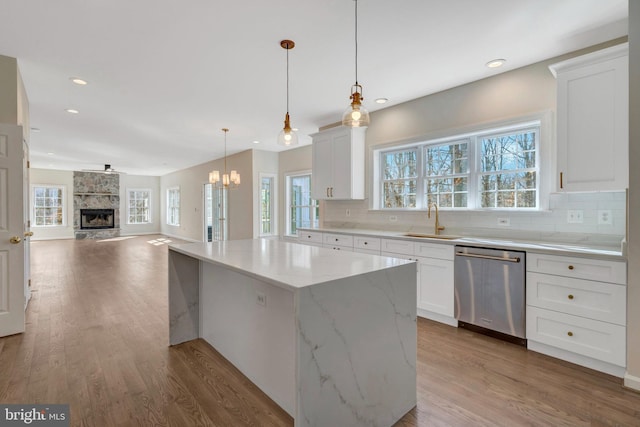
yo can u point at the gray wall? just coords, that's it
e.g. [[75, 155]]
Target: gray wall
[[632, 378]]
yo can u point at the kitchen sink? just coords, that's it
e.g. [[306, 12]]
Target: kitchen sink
[[432, 236]]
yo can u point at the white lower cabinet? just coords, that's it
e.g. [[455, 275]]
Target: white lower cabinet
[[587, 337], [576, 310], [435, 286], [313, 238]]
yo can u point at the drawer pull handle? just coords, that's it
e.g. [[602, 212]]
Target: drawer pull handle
[[570, 296], [366, 243], [570, 333], [571, 267], [308, 237], [336, 240]]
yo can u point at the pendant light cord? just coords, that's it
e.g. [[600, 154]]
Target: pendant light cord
[[288, 48], [356, 37]]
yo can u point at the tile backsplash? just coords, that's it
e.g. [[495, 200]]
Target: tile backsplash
[[602, 216]]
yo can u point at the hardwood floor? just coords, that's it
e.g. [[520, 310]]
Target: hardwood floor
[[97, 336]]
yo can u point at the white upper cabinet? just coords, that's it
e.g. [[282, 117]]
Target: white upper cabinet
[[593, 120], [338, 164]]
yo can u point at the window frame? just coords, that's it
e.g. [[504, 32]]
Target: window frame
[[63, 205], [545, 148], [273, 218], [169, 207], [315, 217], [149, 208]]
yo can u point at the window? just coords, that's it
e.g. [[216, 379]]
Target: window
[[302, 210], [48, 205], [494, 169], [173, 206], [138, 206], [267, 203]]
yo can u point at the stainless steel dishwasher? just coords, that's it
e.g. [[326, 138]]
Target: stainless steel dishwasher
[[490, 291]]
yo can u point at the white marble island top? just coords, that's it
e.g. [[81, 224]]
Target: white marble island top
[[284, 264]]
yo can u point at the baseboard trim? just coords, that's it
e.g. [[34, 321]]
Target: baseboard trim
[[180, 237], [36, 239], [437, 317], [631, 381]]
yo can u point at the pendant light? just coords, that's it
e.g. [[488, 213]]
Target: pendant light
[[229, 180], [287, 136], [356, 115]]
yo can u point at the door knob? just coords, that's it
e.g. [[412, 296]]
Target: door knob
[[28, 233], [15, 240]]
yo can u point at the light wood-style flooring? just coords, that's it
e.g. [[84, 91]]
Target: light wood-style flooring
[[97, 335]]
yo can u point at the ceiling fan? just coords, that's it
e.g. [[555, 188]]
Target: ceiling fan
[[107, 169]]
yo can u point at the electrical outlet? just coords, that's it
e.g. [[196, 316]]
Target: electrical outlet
[[347, 212], [575, 216], [605, 217], [393, 218], [261, 298], [505, 222]]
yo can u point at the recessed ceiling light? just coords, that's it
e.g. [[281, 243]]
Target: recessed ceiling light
[[256, 142], [495, 63], [381, 100], [72, 111], [78, 81], [50, 153]]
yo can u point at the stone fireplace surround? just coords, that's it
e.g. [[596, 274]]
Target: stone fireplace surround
[[93, 190]]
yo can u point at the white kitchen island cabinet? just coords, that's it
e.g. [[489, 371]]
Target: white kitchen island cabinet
[[330, 336]]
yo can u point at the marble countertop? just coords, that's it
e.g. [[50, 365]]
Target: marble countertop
[[285, 264], [555, 248]]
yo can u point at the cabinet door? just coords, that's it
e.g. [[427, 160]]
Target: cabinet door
[[593, 126], [341, 159], [435, 285], [322, 166]]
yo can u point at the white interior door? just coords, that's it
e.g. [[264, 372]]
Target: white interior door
[[26, 223], [12, 252]]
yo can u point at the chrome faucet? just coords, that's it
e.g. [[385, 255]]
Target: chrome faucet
[[439, 227]]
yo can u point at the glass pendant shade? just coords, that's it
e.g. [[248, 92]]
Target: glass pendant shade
[[356, 115], [287, 136]]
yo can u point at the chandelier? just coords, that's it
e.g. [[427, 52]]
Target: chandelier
[[229, 180]]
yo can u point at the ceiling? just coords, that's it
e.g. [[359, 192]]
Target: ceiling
[[166, 76]]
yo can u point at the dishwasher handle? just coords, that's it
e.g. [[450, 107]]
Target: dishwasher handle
[[497, 258]]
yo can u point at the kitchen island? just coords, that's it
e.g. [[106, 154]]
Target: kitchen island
[[330, 336]]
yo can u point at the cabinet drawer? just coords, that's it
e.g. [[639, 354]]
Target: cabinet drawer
[[369, 243], [367, 251], [338, 239], [310, 237], [581, 268], [594, 300], [434, 250], [337, 247], [598, 340], [405, 247]]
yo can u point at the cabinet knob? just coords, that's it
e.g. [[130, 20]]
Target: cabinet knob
[[570, 296], [336, 240], [570, 333], [308, 236], [366, 243], [571, 267]]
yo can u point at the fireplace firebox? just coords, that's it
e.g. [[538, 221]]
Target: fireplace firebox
[[92, 219]]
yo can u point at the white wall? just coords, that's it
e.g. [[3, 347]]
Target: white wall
[[130, 182], [54, 177]]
